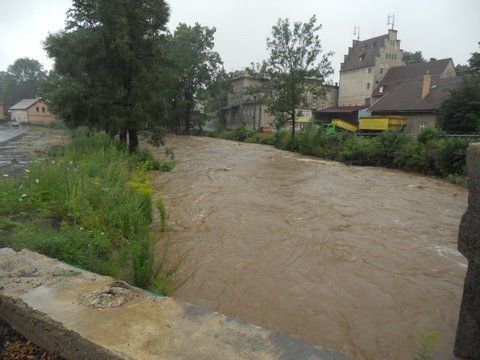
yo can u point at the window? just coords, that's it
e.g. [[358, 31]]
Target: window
[[381, 70], [386, 56], [43, 109], [368, 85], [38, 109], [395, 56], [380, 90], [369, 70], [422, 125]]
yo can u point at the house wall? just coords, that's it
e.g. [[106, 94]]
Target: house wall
[[357, 85], [36, 115], [2, 112], [19, 116], [415, 122], [449, 71]]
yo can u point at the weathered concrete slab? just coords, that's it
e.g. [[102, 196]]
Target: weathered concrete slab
[[81, 315], [467, 343]]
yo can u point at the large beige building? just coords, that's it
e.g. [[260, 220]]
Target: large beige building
[[32, 111], [364, 67]]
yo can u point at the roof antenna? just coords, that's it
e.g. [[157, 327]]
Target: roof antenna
[[391, 21], [356, 32]]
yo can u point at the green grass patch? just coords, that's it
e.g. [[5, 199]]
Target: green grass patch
[[90, 205]]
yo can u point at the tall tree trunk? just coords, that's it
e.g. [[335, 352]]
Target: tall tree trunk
[[122, 136], [133, 140], [293, 124]]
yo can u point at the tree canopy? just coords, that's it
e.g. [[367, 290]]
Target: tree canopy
[[106, 65], [196, 65], [296, 67], [21, 81], [460, 112], [413, 57]]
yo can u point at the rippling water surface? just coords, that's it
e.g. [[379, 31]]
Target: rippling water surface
[[361, 260]]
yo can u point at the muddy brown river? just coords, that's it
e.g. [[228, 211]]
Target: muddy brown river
[[356, 259]]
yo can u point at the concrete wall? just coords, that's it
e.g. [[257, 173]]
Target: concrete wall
[[81, 315]]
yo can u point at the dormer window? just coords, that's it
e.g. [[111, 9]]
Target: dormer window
[[380, 89]]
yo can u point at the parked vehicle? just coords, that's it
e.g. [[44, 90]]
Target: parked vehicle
[[372, 124]]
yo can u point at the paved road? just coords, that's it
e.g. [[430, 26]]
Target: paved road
[[9, 132]]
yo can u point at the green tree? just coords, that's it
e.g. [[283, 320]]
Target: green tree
[[215, 97], [107, 74], [460, 112], [296, 67], [473, 66], [413, 57], [21, 81], [196, 64]]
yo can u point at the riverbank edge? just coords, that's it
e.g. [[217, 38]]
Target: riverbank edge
[[274, 140]]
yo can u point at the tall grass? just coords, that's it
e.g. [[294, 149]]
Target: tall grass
[[89, 204]]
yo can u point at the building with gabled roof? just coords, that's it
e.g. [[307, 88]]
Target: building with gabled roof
[[365, 66], [33, 111], [443, 68], [419, 100]]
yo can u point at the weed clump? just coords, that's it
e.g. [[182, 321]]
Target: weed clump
[[89, 204]]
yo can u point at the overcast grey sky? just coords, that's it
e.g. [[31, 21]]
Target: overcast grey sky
[[440, 28]]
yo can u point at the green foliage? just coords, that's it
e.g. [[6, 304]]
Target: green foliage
[[195, 65], [241, 133], [296, 67], [460, 112], [413, 57], [108, 65], [149, 162], [430, 133], [21, 81], [90, 205], [434, 154], [430, 342], [163, 213]]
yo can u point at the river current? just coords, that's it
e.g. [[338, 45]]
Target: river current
[[356, 259]]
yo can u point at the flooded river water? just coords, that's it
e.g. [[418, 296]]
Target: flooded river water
[[360, 260]]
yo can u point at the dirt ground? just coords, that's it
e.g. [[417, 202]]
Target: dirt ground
[[14, 346], [15, 154]]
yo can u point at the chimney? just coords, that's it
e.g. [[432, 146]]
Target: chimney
[[427, 83]]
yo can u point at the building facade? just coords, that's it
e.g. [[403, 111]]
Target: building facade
[[243, 105], [2, 111], [365, 66], [32, 111], [419, 100]]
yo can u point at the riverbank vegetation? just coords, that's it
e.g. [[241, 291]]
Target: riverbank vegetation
[[89, 204], [433, 153]]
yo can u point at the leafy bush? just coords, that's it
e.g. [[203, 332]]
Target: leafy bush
[[433, 153], [90, 204], [430, 133]]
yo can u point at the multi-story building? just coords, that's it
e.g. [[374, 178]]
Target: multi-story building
[[244, 106], [365, 66]]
